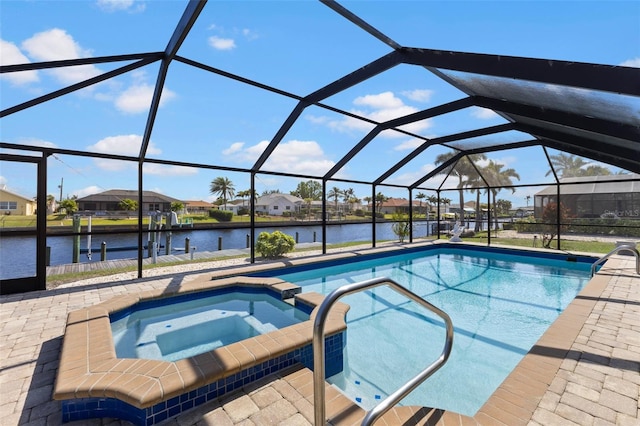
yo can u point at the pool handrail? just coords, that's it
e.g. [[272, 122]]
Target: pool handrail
[[318, 349], [628, 247]]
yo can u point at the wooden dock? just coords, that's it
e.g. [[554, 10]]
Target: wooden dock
[[124, 263], [74, 268]]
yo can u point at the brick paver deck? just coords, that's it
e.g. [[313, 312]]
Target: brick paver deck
[[584, 371]]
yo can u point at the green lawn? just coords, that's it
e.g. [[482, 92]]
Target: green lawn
[[56, 220], [567, 245]]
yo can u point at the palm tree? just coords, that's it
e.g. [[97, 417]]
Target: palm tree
[[354, 200], [367, 199], [499, 179], [51, 200], [596, 170], [347, 195], [446, 202], [463, 169], [420, 196], [222, 187], [432, 200], [566, 165], [380, 199], [334, 193], [244, 194], [475, 183]]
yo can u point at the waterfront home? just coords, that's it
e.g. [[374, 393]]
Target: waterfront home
[[12, 203], [109, 201], [197, 207], [278, 204], [595, 196]]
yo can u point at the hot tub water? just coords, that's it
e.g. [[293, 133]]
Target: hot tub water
[[173, 331]]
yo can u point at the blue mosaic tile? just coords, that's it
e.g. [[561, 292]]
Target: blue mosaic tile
[[89, 408]]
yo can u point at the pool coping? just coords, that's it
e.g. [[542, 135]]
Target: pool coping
[[90, 368]]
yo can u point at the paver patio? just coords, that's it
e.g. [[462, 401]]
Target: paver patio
[[584, 371]]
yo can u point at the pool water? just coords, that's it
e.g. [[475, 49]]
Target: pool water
[[500, 305], [174, 330]]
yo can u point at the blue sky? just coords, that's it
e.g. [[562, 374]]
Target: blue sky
[[295, 46]]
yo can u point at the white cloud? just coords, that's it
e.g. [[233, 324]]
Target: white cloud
[[166, 170], [235, 147], [483, 113], [304, 157], [506, 161], [114, 165], [419, 95], [89, 190], [137, 98], [10, 54], [117, 5], [30, 142], [120, 145], [299, 157], [246, 155], [381, 101], [36, 142], [316, 119], [249, 34], [380, 108], [220, 43], [3, 181], [411, 177], [55, 44], [412, 143], [634, 62]]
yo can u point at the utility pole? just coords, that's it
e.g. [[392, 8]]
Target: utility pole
[[60, 186]]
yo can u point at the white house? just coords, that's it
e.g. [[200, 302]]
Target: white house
[[234, 206], [278, 204]]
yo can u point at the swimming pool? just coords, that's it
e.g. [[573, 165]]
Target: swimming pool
[[500, 304]]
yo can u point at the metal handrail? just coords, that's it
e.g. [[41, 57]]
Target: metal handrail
[[318, 350], [629, 247]]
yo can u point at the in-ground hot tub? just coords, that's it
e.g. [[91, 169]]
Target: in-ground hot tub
[[94, 381], [175, 328]]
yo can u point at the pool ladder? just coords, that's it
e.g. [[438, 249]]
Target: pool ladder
[[628, 247], [318, 350]]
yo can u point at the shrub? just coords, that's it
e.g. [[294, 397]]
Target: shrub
[[275, 244], [221, 215], [401, 226]]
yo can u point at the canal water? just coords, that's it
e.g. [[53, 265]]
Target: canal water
[[17, 253]]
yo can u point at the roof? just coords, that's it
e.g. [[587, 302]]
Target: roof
[[596, 185], [197, 203], [400, 202], [117, 195], [17, 195], [584, 109], [269, 199]]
